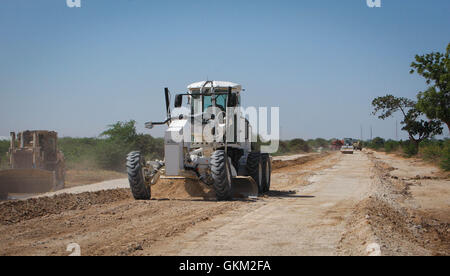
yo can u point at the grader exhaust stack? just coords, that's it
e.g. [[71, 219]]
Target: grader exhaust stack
[[212, 144], [36, 165]]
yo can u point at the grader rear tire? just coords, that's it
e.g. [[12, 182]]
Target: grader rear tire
[[3, 196], [221, 175], [255, 169], [139, 189], [267, 171]]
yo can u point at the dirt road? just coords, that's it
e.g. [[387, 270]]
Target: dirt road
[[318, 205], [309, 221], [115, 184]]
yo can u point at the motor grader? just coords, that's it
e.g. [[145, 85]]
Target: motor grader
[[208, 140], [36, 164]]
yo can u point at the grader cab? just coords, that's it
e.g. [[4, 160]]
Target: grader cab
[[36, 164]]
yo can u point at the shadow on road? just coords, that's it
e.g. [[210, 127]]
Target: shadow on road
[[274, 194], [286, 194], [204, 199]]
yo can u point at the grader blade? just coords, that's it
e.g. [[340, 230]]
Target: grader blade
[[244, 187], [186, 187], [27, 181]]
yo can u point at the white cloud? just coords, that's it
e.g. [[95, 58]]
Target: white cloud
[[4, 138]]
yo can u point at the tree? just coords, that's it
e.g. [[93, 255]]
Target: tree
[[377, 143], [122, 138], [318, 143], [417, 128], [435, 101], [298, 145], [420, 128], [124, 132]]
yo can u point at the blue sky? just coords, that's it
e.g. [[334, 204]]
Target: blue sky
[[322, 62]]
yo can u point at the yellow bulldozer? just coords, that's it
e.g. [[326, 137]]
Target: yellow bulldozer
[[36, 164]]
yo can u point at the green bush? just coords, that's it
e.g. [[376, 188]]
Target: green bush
[[377, 143], [431, 152], [4, 147], [391, 146], [109, 151], [151, 148], [318, 143], [79, 152], [409, 148], [436, 151], [445, 157], [111, 155], [298, 145], [283, 148]]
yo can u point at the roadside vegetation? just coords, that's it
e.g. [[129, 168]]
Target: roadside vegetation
[[431, 150], [4, 147], [296, 146], [109, 150], [425, 117]]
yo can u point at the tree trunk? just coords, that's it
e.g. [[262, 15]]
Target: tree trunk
[[448, 125], [416, 142]]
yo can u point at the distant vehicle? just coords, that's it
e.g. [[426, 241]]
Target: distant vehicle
[[336, 144], [357, 145], [347, 148]]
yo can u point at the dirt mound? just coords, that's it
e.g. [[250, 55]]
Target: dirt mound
[[398, 232], [181, 189], [279, 164], [387, 218], [16, 211]]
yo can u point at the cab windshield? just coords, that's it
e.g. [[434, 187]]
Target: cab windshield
[[221, 101], [200, 103]]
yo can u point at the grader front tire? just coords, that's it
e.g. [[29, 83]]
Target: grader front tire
[[221, 175], [139, 189]]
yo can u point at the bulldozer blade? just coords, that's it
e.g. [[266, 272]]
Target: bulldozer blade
[[27, 181], [244, 187]]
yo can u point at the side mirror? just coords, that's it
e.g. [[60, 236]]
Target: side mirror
[[178, 101], [232, 98], [149, 125], [232, 101], [167, 94]]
